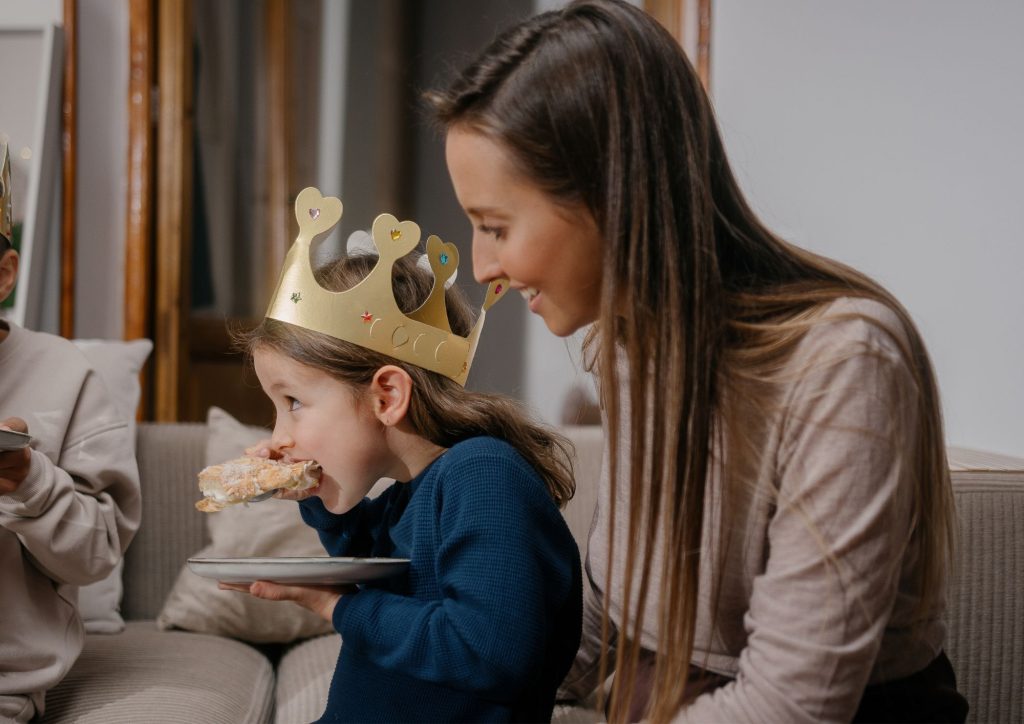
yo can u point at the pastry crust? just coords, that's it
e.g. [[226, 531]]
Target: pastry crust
[[241, 479]]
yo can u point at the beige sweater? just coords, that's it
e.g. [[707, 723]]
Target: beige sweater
[[71, 519], [801, 637]]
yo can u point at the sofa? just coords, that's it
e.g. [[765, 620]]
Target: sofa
[[145, 674]]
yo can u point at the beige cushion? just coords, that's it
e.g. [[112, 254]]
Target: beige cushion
[[118, 364], [304, 678], [270, 528], [145, 675]]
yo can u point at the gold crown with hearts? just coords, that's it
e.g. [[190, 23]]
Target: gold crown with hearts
[[6, 213], [367, 314]]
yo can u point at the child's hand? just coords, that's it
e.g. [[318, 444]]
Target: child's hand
[[14, 464], [321, 600], [264, 449]]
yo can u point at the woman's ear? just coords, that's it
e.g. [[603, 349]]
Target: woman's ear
[[390, 391], [8, 272]]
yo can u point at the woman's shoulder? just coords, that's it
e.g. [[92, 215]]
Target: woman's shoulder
[[851, 323]]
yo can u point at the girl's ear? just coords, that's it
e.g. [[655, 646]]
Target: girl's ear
[[8, 272], [390, 391]]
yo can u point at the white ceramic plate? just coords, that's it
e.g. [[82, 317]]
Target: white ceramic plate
[[317, 570]]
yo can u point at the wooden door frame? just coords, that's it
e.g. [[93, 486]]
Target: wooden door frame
[[69, 140], [676, 16], [158, 225]]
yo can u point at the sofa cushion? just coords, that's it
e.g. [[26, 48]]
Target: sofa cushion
[[985, 603], [118, 364], [303, 679], [271, 528], [143, 674]]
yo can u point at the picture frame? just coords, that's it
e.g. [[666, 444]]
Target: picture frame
[[30, 100]]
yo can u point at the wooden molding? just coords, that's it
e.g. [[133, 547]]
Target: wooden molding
[[139, 223], [69, 135], [677, 17], [138, 236], [174, 206], [279, 205]]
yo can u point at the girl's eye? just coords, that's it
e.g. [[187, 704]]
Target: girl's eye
[[293, 404], [494, 231]]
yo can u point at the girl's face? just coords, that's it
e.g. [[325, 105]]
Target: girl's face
[[320, 418], [551, 253]]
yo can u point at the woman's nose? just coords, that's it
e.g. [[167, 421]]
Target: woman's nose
[[485, 260]]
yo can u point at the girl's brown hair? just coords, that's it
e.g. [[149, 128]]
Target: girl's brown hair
[[597, 104], [440, 410]]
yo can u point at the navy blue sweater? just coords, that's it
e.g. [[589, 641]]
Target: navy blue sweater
[[486, 622]]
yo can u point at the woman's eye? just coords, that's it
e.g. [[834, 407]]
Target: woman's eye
[[494, 231], [293, 404]]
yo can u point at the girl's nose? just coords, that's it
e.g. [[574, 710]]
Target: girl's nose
[[281, 440], [485, 260]]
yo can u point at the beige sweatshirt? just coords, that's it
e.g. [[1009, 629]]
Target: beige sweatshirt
[[71, 519], [801, 637]]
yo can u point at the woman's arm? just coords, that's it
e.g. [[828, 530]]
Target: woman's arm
[[836, 541]]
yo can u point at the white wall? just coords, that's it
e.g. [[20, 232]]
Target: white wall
[[888, 135]]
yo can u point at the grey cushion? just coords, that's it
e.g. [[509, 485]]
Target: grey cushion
[[156, 676], [303, 678], [170, 456], [986, 600]]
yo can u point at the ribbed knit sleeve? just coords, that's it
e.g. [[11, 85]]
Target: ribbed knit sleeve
[[350, 534]]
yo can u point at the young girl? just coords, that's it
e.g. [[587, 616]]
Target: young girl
[[487, 621], [775, 519]]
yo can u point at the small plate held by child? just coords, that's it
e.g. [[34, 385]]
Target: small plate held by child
[[315, 570], [14, 440]]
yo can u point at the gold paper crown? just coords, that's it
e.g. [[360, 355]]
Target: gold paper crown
[[6, 211], [367, 314]]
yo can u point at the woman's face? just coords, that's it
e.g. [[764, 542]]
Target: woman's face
[[551, 253]]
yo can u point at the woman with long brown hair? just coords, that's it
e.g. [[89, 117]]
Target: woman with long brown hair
[[775, 521]]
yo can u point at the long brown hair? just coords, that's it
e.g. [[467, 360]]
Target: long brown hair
[[440, 410], [597, 104]]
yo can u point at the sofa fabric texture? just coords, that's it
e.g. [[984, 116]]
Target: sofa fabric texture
[[142, 673]]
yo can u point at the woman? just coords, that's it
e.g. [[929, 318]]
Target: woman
[[776, 519]]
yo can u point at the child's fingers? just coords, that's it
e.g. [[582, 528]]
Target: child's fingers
[[295, 494], [264, 449], [14, 467], [243, 587], [321, 600], [14, 423]]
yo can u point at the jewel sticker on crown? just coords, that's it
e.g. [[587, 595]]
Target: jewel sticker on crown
[[367, 314]]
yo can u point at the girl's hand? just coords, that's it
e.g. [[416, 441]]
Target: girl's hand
[[266, 449], [14, 464], [321, 600]]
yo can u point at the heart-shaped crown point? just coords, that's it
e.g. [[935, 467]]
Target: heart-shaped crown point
[[367, 314]]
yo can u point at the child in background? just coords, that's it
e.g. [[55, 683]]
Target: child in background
[[487, 621], [69, 504]]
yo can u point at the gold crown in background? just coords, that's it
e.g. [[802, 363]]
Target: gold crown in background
[[367, 314], [6, 210]]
